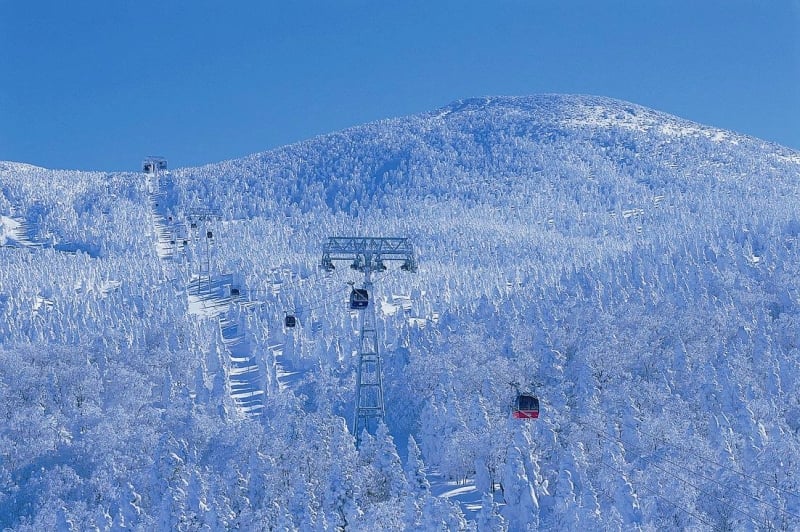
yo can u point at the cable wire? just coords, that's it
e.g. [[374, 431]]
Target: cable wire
[[602, 433], [342, 290], [694, 453], [660, 496]]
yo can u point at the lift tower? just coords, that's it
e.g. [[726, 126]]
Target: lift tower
[[153, 165], [200, 221], [368, 255]]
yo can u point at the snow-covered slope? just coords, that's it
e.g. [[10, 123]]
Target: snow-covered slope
[[639, 271]]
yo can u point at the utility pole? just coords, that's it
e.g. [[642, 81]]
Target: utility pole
[[368, 255]]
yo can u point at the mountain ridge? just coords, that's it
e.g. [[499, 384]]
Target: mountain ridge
[[577, 111], [637, 270]]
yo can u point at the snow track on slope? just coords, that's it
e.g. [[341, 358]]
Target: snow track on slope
[[17, 232], [245, 376], [208, 297], [286, 375], [168, 243]]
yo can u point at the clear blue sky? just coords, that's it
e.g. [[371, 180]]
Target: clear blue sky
[[98, 84]]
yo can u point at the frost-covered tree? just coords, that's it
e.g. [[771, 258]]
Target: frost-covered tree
[[635, 269]]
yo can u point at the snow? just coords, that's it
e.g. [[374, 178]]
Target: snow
[[206, 297], [637, 270], [462, 493], [642, 120], [14, 232]]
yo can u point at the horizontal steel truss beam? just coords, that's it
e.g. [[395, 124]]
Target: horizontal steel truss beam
[[368, 250]]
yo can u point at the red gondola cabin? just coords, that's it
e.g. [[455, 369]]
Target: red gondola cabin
[[526, 406]]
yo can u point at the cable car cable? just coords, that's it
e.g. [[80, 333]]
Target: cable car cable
[[602, 433], [313, 278], [336, 294], [694, 453], [287, 285], [715, 481], [316, 305], [677, 505]]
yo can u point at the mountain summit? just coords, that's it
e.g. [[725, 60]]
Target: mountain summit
[[566, 138]]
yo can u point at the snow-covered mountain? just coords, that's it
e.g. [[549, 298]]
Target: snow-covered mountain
[[637, 271]]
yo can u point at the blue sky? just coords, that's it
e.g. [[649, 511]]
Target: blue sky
[[99, 84]]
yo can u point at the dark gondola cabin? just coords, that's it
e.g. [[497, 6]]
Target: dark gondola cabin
[[290, 321], [359, 299], [526, 406], [209, 235], [234, 292]]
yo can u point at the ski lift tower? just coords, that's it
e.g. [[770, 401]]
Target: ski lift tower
[[368, 255], [201, 221], [153, 164]]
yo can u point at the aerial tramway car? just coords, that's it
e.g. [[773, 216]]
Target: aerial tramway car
[[359, 299], [526, 406], [290, 321]]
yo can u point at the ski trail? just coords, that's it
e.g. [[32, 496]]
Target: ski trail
[[286, 375], [16, 232], [245, 377], [208, 297], [171, 240], [244, 373]]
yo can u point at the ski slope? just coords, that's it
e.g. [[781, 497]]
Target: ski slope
[[209, 297]]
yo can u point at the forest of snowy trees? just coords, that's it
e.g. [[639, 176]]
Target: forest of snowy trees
[[638, 271]]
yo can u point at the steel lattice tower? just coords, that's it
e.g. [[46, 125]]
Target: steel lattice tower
[[368, 255], [369, 376]]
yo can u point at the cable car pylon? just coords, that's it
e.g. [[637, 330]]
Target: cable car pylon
[[152, 164], [368, 255]]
